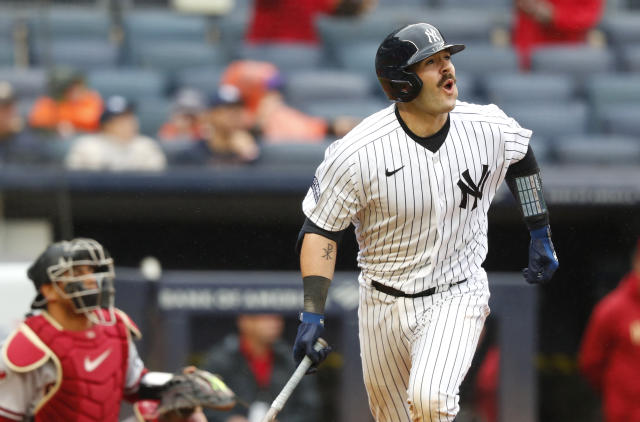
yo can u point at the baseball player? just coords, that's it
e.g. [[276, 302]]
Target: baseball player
[[73, 358], [416, 179]]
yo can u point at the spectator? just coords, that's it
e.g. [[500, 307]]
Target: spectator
[[293, 20], [256, 364], [544, 22], [17, 144], [610, 351], [185, 122], [275, 121], [119, 146], [225, 139], [71, 106]]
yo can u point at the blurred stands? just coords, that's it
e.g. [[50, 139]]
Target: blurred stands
[[578, 95]]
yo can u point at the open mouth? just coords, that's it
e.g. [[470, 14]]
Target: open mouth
[[448, 85]]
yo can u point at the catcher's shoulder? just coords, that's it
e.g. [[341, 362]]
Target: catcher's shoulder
[[131, 326], [23, 351]]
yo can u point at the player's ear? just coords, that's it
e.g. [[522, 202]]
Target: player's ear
[[49, 292]]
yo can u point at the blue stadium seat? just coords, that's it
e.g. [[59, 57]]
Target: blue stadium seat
[[6, 53], [621, 118], [330, 109], [467, 88], [359, 58], [610, 89], [622, 28], [287, 57], [631, 58], [172, 56], [205, 79], [291, 154], [152, 113], [575, 61], [541, 148], [135, 83], [232, 34], [164, 25], [81, 54], [483, 59], [462, 25], [550, 119], [312, 85], [68, 24], [28, 83], [509, 87], [598, 149], [491, 5]]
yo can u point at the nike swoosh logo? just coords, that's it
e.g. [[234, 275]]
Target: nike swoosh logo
[[391, 173], [91, 365]]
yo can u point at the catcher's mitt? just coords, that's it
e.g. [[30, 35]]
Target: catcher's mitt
[[196, 389]]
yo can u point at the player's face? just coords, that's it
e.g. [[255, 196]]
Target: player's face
[[439, 91]]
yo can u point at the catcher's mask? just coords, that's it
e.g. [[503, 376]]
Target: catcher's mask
[[80, 270]]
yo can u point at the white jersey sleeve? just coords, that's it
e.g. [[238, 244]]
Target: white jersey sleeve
[[516, 139], [334, 198], [19, 392], [135, 369]]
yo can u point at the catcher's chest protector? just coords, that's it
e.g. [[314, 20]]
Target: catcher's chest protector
[[93, 365]]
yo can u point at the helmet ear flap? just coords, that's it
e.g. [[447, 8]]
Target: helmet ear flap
[[403, 86]]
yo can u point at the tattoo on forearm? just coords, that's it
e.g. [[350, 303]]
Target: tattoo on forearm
[[328, 252]]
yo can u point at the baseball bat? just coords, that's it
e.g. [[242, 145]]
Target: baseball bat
[[282, 398]]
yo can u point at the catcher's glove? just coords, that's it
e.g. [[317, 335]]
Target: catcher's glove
[[195, 389]]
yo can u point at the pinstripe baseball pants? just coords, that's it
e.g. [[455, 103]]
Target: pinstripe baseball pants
[[416, 352]]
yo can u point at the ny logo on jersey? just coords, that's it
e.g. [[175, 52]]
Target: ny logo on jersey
[[470, 188], [433, 35]]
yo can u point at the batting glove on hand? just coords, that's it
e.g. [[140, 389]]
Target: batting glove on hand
[[543, 261], [309, 330]]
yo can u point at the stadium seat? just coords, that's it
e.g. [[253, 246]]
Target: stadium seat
[[598, 149], [610, 89], [172, 56], [631, 58], [462, 25], [622, 29], [550, 119], [485, 59], [28, 83], [205, 79], [134, 83], [81, 54], [232, 30], [152, 113], [541, 148], [6, 53], [163, 25], [621, 118], [467, 88], [287, 57], [69, 24], [291, 154], [575, 61], [504, 88], [330, 109], [359, 58], [312, 85]]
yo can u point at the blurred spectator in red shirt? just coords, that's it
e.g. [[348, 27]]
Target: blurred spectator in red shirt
[[293, 20], [543, 22], [259, 84], [610, 352], [185, 122], [70, 107]]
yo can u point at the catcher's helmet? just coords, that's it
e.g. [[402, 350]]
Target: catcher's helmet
[[90, 292], [401, 49]]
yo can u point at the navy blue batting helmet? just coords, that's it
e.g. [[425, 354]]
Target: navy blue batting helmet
[[401, 49]]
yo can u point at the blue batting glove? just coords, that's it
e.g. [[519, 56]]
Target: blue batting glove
[[309, 330], [543, 261]]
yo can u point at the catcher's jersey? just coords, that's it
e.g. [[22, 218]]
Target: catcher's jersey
[[20, 392], [420, 217]]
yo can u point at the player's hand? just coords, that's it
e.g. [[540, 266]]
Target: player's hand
[[310, 329], [543, 261]]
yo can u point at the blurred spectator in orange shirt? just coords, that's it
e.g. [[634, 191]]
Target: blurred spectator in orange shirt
[[293, 20], [544, 22], [185, 122], [70, 107], [267, 113]]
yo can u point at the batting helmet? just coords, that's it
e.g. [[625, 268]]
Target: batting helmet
[[401, 49]]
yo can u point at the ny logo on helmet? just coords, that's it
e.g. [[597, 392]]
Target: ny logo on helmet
[[432, 34]]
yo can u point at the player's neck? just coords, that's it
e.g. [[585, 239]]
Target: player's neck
[[69, 321], [420, 123]]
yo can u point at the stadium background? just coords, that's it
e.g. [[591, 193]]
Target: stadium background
[[583, 107]]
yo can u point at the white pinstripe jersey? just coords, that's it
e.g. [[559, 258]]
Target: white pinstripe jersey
[[425, 224]]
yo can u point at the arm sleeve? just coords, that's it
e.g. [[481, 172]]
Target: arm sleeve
[[525, 184], [135, 371], [596, 342], [577, 15], [333, 198]]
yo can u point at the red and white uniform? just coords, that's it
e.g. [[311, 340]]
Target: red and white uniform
[[51, 374]]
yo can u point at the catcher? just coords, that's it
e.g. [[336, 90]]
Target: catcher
[[73, 357]]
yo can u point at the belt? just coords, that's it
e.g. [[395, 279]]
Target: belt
[[398, 293]]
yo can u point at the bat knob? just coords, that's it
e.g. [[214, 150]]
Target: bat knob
[[271, 415]]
